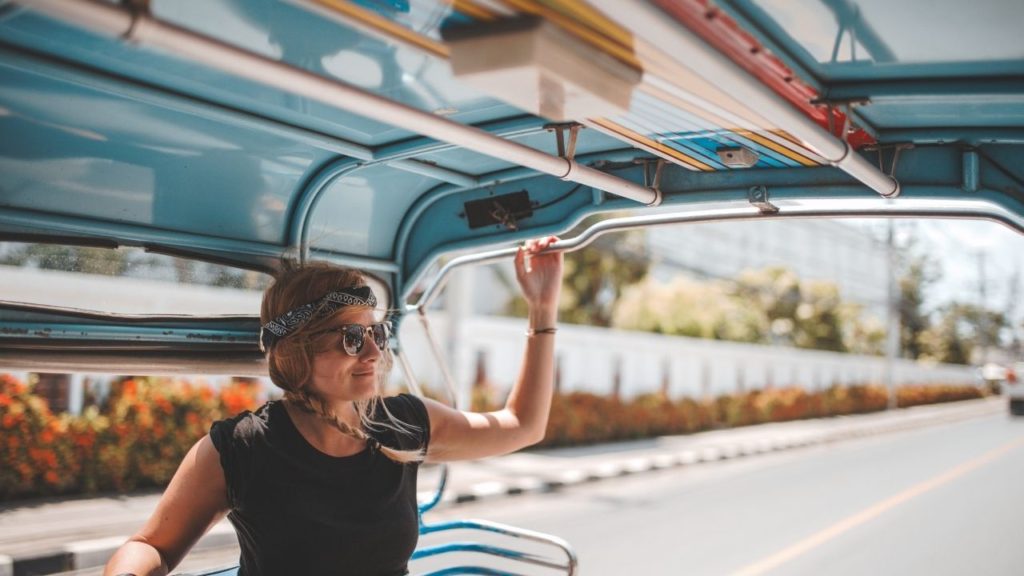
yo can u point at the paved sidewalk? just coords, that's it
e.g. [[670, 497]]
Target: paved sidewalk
[[57, 535]]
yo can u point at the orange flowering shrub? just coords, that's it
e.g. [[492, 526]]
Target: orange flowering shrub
[[856, 399], [34, 451], [147, 425], [137, 438], [583, 418], [908, 396]]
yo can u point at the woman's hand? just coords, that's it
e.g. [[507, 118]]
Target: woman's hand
[[539, 275]]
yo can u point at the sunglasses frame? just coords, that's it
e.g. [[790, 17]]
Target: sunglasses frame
[[365, 329]]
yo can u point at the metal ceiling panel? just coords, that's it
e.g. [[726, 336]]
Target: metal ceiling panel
[[77, 147]]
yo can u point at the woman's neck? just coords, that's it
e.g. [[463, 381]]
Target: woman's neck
[[322, 434]]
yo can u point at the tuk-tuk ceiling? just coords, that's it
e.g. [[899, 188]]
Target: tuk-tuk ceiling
[[108, 141], [917, 71], [121, 136]]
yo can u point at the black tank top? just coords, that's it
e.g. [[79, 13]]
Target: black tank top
[[297, 510]]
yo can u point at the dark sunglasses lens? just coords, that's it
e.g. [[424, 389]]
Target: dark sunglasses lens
[[380, 335], [352, 339]]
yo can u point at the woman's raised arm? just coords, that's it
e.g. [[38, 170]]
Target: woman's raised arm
[[458, 435], [194, 501]]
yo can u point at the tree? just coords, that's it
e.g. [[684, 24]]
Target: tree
[[820, 317], [762, 306], [961, 328], [919, 273], [686, 307], [595, 277], [801, 313], [85, 259]]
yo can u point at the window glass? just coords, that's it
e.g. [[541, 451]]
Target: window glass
[[125, 281]]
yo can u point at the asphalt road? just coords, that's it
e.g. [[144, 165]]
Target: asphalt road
[[943, 500], [940, 501]]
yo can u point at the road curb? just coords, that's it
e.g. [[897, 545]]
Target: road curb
[[728, 451], [95, 553]]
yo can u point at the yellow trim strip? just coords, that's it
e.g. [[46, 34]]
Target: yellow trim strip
[[773, 145], [587, 14], [614, 49], [655, 147], [595, 28], [786, 136], [469, 8], [384, 26], [713, 118]]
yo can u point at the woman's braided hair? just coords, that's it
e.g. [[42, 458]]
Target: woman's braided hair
[[291, 359]]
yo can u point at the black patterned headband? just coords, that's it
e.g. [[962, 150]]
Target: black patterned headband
[[285, 324]]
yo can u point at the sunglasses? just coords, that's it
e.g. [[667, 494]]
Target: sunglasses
[[353, 336]]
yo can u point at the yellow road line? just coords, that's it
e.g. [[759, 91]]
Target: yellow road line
[[850, 522]]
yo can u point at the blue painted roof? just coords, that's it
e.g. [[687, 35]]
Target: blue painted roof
[[103, 138]]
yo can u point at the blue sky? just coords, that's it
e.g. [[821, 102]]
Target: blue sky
[[958, 245]]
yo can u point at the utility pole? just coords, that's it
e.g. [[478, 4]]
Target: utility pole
[[892, 341], [1012, 296], [982, 308]]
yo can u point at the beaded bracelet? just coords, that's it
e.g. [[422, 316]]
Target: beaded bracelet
[[533, 331]]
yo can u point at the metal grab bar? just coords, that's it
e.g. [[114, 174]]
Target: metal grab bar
[[570, 566], [436, 498], [471, 570], [792, 207]]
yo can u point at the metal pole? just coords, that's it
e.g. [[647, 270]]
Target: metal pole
[[410, 377], [892, 341], [982, 309], [141, 28], [743, 210], [435, 348]]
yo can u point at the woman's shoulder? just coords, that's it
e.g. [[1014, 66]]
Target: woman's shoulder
[[412, 429], [245, 426], [407, 407]]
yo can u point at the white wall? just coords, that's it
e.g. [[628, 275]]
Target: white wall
[[589, 359], [122, 295], [814, 249]]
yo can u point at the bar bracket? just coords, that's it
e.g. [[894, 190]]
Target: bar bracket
[[897, 149], [565, 150], [758, 197]]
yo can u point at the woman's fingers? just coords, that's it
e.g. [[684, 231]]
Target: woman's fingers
[[521, 263], [531, 255]]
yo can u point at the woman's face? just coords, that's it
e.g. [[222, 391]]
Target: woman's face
[[340, 377]]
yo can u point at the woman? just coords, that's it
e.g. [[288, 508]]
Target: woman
[[324, 481]]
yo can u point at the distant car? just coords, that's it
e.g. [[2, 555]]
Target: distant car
[[1015, 389], [992, 372]]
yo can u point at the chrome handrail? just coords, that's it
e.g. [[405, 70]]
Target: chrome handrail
[[570, 566], [974, 208]]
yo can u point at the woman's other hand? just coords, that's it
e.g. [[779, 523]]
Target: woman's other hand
[[539, 274], [457, 435]]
